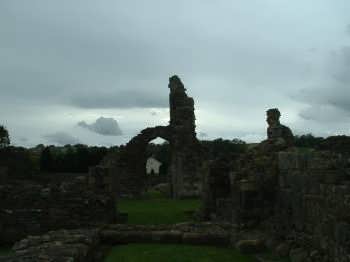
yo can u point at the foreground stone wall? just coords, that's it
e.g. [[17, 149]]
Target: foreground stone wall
[[29, 208], [63, 246], [91, 245], [313, 203], [309, 211]]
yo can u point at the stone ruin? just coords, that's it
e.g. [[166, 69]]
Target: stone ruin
[[296, 202], [29, 207], [184, 168]]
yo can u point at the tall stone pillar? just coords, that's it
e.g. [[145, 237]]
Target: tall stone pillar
[[185, 148]]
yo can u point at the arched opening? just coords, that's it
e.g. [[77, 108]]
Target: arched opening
[[158, 159]]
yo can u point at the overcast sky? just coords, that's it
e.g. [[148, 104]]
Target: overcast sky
[[96, 72]]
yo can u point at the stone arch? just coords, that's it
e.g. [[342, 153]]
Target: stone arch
[[132, 160], [185, 164]]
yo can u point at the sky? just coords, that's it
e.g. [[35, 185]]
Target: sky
[[96, 72]]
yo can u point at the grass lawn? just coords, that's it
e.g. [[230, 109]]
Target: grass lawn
[[157, 210], [174, 253]]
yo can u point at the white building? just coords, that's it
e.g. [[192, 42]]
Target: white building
[[152, 164]]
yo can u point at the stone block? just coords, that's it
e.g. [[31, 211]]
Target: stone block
[[287, 160], [167, 236], [251, 246], [206, 239], [298, 255]]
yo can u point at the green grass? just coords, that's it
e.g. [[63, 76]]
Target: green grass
[[157, 210], [174, 253]]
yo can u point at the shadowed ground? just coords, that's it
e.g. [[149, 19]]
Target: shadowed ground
[[174, 253]]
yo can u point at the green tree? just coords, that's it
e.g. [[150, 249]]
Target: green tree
[[308, 140], [4, 137]]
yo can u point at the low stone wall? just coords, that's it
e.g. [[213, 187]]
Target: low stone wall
[[185, 233], [28, 208], [57, 246], [91, 245]]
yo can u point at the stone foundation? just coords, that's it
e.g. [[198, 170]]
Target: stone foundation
[[28, 208], [90, 245]]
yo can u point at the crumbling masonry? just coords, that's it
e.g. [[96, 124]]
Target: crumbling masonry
[[296, 202], [184, 174]]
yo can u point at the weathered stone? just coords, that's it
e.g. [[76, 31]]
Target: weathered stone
[[276, 132], [283, 249], [205, 239], [33, 208], [298, 255], [167, 236], [163, 188], [57, 246], [250, 246], [301, 198], [185, 161]]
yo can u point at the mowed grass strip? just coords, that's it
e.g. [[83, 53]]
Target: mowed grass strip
[[157, 210], [174, 253]]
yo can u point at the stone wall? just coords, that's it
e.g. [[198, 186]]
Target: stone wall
[[28, 208], [313, 203], [3, 174], [309, 210], [185, 164], [92, 245], [57, 246]]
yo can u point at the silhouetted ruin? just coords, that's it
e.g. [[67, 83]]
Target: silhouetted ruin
[[295, 202], [184, 169], [291, 201]]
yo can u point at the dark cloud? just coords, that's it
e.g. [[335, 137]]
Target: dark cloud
[[116, 54], [121, 99], [103, 126], [61, 138], [324, 113], [329, 101]]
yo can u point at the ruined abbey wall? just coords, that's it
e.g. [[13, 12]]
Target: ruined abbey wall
[[310, 212], [30, 208], [184, 169], [313, 203]]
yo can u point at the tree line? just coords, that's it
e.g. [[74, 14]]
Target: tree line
[[71, 158], [78, 158]]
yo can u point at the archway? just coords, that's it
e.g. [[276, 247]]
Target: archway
[[132, 160], [184, 169], [157, 164]]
